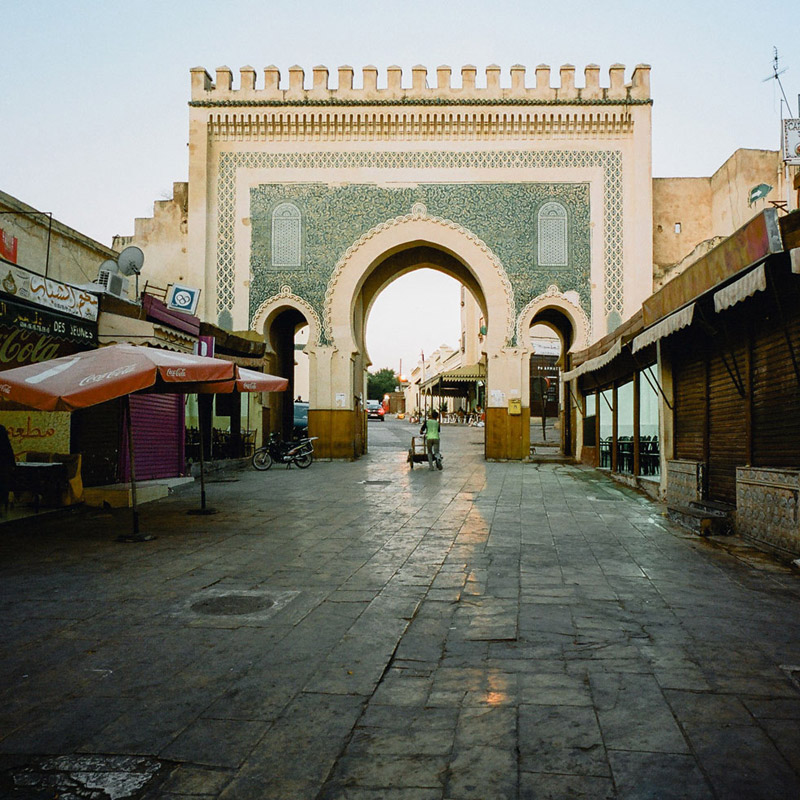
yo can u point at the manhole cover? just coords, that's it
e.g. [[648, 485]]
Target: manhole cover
[[233, 604]]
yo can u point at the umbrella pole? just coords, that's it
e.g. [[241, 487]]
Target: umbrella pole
[[202, 509], [135, 536]]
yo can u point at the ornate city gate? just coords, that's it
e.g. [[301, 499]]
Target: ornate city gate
[[305, 203]]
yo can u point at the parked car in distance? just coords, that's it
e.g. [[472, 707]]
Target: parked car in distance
[[300, 425], [375, 410]]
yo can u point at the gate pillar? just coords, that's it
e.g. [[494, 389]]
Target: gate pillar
[[335, 411], [508, 430]]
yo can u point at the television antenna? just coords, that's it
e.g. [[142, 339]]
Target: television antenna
[[776, 76]]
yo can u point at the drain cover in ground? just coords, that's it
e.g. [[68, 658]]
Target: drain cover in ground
[[376, 483], [232, 604], [229, 607]]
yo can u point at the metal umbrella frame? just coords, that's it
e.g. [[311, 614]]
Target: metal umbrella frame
[[246, 380]]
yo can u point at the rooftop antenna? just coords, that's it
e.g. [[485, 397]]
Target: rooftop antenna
[[776, 76]]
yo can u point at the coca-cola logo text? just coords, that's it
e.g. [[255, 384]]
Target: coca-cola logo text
[[104, 376], [176, 372], [24, 347]]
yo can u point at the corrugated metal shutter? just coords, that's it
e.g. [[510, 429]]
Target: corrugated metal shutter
[[727, 424], [158, 436], [776, 395], [689, 382]]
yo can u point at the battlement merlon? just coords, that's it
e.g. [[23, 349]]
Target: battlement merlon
[[275, 91]]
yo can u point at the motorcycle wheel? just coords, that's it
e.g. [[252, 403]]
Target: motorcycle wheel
[[303, 460], [262, 460]]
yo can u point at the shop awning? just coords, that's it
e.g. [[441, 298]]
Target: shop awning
[[754, 281], [469, 373], [117, 329], [594, 363], [666, 327]]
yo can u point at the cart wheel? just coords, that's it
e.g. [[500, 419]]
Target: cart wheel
[[411, 458]]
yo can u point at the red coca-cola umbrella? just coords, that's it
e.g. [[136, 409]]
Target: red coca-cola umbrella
[[96, 376], [246, 380]]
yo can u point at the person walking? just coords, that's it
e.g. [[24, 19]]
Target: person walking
[[430, 429]]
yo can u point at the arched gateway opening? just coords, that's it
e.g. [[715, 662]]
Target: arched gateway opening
[[338, 368], [279, 320], [552, 325]]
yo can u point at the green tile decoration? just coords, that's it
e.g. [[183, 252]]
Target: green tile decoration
[[503, 215]]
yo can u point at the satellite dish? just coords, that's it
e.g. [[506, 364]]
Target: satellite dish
[[130, 261], [109, 265]]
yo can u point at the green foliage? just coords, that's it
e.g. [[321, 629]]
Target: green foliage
[[380, 383]]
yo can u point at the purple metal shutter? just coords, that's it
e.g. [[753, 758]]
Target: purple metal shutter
[[158, 437]]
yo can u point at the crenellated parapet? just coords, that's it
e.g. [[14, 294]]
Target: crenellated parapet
[[516, 88]]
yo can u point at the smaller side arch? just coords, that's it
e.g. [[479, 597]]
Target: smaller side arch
[[277, 303], [572, 310]]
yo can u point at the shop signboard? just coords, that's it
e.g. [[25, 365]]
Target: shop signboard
[[62, 297], [183, 298], [791, 141], [37, 431], [29, 335]]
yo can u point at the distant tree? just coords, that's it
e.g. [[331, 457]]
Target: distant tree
[[380, 383]]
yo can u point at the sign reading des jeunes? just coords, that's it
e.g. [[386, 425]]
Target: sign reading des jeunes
[[29, 335], [791, 141], [182, 298], [37, 289]]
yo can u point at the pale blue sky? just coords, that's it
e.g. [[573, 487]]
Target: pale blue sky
[[94, 92]]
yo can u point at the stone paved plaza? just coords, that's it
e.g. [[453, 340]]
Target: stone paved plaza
[[363, 631]]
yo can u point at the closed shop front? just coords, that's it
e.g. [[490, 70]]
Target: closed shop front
[[689, 374], [776, 383], [158, 437], [727, 418]]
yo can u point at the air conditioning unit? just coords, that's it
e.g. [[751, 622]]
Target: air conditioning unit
[[113, 282]]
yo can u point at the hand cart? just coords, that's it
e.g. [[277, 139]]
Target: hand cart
[[417, 453]]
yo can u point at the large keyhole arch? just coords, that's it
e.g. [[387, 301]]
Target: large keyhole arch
[[393, 249], [404, 244]]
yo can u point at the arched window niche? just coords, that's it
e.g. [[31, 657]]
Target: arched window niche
[[552, 235], [286, 235]]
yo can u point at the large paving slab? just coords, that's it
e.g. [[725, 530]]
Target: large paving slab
[[365, 631]]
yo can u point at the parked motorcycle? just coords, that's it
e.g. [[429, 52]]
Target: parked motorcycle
[[298, 452]]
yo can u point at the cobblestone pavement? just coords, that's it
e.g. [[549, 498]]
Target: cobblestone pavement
[[364, 631]]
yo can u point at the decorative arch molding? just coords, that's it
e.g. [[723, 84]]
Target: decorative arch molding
[[418, 226], [572, 310], [272, 306]]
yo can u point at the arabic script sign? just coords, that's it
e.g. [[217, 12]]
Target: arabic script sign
[[37, 431], [29, 335], [58, 296]]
